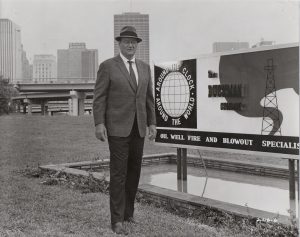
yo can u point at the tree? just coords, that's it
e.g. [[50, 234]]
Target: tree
[[7, 91]]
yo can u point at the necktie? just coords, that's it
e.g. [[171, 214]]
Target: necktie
[[132, 75]]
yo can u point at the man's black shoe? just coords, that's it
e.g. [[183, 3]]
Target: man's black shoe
[[118, 228]]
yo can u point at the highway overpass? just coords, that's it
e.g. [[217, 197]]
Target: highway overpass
[[41, 93], [55, 87]]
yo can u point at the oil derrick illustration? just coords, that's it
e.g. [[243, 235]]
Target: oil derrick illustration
[[272, 118]]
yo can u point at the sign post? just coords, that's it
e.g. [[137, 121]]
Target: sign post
[[292, 179], [184, 163], [181, 163]]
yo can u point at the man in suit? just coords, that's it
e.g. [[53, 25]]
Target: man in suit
[[123, 107]]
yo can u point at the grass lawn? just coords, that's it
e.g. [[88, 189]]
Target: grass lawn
[[29, 208]]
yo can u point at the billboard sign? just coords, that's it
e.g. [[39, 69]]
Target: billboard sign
[[244, 100]]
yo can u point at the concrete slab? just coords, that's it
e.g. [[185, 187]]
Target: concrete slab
[[158, 194]]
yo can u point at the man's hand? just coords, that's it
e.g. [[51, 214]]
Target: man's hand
[[152, 132], [100, 132]]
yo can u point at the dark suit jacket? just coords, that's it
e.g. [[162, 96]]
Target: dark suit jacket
[[116, 102]]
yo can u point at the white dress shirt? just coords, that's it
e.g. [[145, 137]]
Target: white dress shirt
[[125, 60]]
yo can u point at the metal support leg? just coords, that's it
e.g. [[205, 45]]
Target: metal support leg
[[182, 169], [298, 178], [184, 163], [179, 163], [292, 179]]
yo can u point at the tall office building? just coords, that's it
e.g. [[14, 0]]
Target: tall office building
[[10, 51], [141, 23], [228, 46], [44, 68], [26, 69], [89, 62], [77, 63]]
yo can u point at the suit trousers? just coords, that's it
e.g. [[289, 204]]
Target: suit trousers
[[125, 168]]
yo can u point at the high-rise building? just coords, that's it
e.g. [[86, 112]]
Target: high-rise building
[[26, 69], [44, 68], [10, 51], [228, 46], [77, 63], [141, 23], [89, 62], [31, 71]]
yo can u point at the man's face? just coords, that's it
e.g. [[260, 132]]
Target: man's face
[[128, 47]]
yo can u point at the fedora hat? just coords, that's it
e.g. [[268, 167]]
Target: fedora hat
[[128, 32]]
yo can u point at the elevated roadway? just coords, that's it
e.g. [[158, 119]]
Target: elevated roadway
[[55, 87], [49, 96], [41, 93]]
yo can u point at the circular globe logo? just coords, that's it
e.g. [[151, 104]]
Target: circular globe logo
[[175, 94]]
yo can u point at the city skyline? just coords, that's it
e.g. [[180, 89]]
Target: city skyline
[[178, 29]]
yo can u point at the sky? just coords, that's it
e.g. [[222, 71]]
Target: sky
[[179, 29]]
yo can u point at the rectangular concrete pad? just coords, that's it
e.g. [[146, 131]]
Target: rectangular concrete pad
[[161, 195]]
